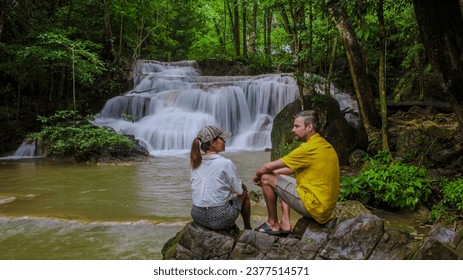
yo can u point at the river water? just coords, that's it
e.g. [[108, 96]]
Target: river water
[[54, 210]]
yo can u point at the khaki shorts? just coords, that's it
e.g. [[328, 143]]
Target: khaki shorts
[[286, 190]]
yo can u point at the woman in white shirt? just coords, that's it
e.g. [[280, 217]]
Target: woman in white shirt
[[218, 194]]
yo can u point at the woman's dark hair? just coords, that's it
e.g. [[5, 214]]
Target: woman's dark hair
[[195, 155]]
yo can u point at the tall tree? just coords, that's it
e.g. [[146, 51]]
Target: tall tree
[[109, 44], [293, 17], [310, 28], [236, 27], [234, 15], [441, 29], [252, 32], [382, 76], [365, 99], [244, 22], [267, 35]]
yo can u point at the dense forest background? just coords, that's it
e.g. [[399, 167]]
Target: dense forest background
[[74, 55]]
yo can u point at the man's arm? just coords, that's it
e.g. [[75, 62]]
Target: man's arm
[[283, 171], [277, 167]]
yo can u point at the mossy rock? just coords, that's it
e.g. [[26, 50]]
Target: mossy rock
[[334, 127]]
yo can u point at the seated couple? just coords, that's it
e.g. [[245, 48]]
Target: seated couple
[[219, 196]]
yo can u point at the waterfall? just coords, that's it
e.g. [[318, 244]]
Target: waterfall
[[27, 149], [171, 102]]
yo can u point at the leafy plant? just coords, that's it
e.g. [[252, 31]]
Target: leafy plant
[[80, 55], [452, 201], [129, 117], [311, 81], [78, 139], [389, 183], [286, 148], [453, 194]]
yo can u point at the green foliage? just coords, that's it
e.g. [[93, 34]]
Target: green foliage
[[312, 80], [128, 117], [452, 201], [387, 183], [42, 42], [56, 48], [59, 117], [383, 157], [412, 54], [453, 194], [286, 148], [81, 140], [54, 51]]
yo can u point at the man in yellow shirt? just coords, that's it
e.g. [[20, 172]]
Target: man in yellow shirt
[[314, 191]]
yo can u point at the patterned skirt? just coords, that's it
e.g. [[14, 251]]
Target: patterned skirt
[[218, 217]]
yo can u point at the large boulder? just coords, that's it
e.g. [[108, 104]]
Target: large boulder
[[353, 234], [343, 135], [442, 244], [425, 137]]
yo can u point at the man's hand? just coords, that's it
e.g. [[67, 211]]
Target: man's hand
[[256, 179]]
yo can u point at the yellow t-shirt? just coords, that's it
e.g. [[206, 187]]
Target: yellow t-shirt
[[316, 167]]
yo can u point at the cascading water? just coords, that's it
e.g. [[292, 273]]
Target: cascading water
[[25, 150], [171, 102]]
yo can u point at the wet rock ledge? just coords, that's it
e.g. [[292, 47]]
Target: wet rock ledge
[[353, 234]]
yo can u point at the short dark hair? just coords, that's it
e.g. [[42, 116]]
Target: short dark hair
[[309, 117]]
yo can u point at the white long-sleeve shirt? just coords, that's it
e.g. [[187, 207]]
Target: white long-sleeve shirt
[[215, 181]]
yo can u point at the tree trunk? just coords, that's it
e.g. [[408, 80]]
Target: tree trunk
[[252, 33], [68, 16], [235, 25], [310, 46], [137, 51], [236, 28], [287, 26], [224, 33], [219, 34], [332, 58], [1, 22], [267, 34], [293, 16], [382, 77], [368, 112], [298, 28], [441, 29], [109, 45], [244, 22]]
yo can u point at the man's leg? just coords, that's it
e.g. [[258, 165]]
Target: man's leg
[[286, 190], [285, 222], [268, 183]]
